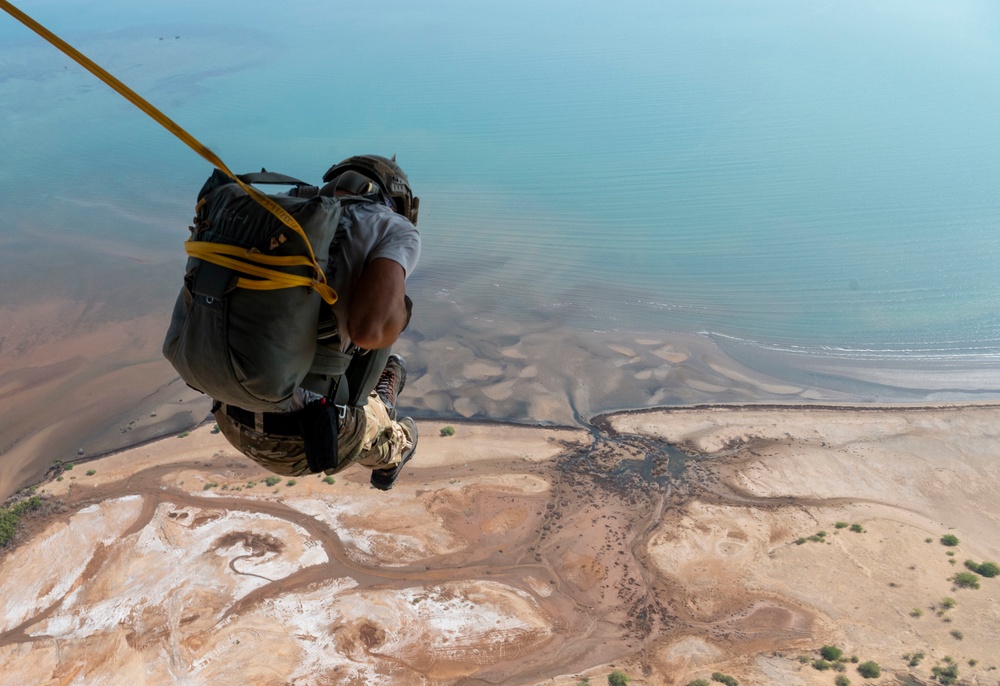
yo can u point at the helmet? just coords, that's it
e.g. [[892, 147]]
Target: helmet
[[386, 174]]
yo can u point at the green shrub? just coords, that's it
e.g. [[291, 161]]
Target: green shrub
[[946, 675], [449, 431], [8, 525], [585, 681], [724, 679], [987, 569], [841, 525], [272, 480], [183, 434], [831, 653], [68, 466], [91, 472], [857, 528], [618, 678], [957, 634], [32, 503], [215, 428], [916, 612], [949, 540], [329, 480], [800, 541], [947, 602], [965, 580], [870, 670], [914, 660], [821, 665], [698, 682], [291, 482], [842, 681]]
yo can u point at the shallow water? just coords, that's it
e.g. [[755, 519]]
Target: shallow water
[[814, 179]]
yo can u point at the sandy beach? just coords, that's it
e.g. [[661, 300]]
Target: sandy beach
[[670, 544]]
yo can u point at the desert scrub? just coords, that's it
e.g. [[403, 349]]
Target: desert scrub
[[987, 569], [946, 675], [916, 612], [870, 670], [857, 528], [618, 678], [698, 682], [965, 580], [272, 480], [914, 660], [183, 434], [448, 430], [831, 653], [725, 679], [91, 472], [840, 525], [291, 482], [10, 517], [949, 540], [821, 665], [842, 681], [329, 480]]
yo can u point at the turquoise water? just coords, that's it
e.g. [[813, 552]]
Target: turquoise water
[[817, 177]]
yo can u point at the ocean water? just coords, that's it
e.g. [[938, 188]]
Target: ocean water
[[812, 178]]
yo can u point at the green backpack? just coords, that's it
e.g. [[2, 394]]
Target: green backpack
[[231, 336]]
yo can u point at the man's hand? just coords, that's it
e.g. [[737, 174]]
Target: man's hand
[[377, 313]]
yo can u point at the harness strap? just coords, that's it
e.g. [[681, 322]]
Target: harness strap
[[274, 423], [318, 282]]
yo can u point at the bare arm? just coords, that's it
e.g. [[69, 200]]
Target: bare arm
[[377, 313]]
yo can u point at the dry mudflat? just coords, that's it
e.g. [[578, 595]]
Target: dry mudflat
[[670, 544]]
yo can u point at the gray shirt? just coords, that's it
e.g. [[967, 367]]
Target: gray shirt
[[367, 231]]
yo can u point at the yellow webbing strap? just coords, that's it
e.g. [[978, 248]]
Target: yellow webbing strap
[[271, 279]]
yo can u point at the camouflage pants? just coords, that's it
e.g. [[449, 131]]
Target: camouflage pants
[[366, 435]]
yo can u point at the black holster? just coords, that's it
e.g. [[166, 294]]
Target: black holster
[[320, 424]]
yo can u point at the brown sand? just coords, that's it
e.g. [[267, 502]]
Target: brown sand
[[525, 556]]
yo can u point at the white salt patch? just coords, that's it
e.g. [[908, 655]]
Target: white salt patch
[[167, 565], [49, 565], [391, 545]]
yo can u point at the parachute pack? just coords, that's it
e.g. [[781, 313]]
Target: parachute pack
[[244, 326]]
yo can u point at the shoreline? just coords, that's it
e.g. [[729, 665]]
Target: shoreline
[[98, 386], [603, 423]]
